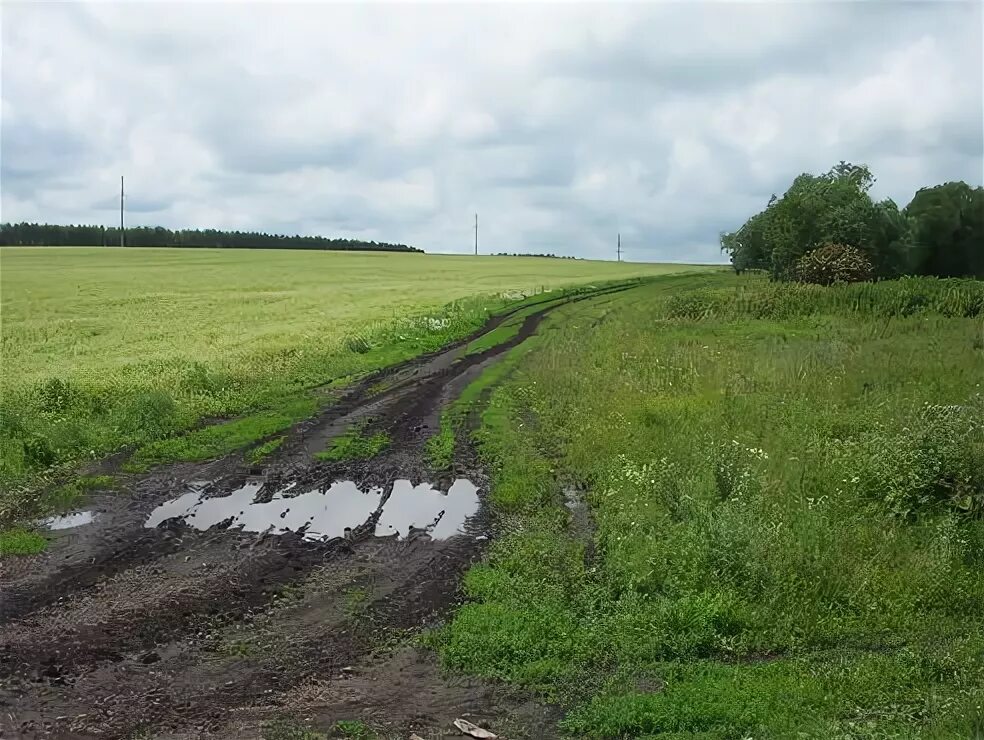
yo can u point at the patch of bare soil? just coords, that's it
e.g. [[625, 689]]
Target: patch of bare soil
[[181, 630]]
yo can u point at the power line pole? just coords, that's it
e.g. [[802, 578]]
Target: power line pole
[[122, 232], [476, 234], [618, 249]]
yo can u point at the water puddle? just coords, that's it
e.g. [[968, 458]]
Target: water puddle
[[68, 521], [441, 514], [316, 514], [319, 514]]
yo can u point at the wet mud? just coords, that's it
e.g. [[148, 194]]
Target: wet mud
[[210, 599]]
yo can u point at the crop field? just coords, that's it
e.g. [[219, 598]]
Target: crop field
[[104, 347]]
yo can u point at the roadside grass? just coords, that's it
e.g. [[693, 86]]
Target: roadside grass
[[440, 448], [356, 599], [355, 445], [262, 451], [787, 485], [220, 439], [510, 327], [288, 729], [19, 541], [353, 729]]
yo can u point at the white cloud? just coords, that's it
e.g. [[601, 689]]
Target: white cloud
[[559, 123]]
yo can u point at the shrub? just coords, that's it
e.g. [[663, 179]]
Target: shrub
[[935, 462], [695, 304], [833, 263], [151, 415], [55, 394]]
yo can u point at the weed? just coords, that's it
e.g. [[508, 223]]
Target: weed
[[95, 482], [358, 344], [285, 729], [237, 648], [440, 447], [356, 599], [354, 445], [353, 729], [261, 452]]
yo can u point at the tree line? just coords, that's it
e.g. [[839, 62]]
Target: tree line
[[529, 254], [53, 235], [823, 217]]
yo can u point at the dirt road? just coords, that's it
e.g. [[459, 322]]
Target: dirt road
[[228, 600]]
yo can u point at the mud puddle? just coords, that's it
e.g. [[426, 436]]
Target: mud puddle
[[424, 507], [324, 514], [69, 521]]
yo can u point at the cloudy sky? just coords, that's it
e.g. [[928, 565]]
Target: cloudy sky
[[559, 124]]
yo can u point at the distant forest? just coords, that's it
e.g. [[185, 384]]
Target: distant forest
[[51, 235]]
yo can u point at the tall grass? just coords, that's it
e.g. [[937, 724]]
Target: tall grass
[[787, 484]]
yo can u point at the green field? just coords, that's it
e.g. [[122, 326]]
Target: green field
[[725, 507], [105, 347], [782, 532]]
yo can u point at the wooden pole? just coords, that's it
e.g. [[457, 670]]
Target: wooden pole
[[122, 232]]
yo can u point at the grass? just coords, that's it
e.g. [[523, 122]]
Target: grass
[[440, 447], [19, 541], [262, 451], [787, 488], [287, 729], [353, 729], [510, 327], [355, 445], [106, 348], [219, 439], [356, 599]]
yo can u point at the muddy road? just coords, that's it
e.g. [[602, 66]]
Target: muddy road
[[223, 599]]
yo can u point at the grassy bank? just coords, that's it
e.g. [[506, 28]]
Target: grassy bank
[[105, 348], [783, 536]]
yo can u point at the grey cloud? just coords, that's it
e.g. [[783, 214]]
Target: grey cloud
[[32, 152], [266, 157], [817, 36], [560, 124]]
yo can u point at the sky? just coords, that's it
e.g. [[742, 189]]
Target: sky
[[561, 125]]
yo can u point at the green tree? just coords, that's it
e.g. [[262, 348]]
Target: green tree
[[947, 223], [832, 208]]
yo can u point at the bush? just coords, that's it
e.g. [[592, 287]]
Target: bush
[[833, 263], [935, 462], [150, 415], [695, 304]]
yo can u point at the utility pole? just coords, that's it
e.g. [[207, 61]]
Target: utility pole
[[476, 234], [618, 249], [122, 232]]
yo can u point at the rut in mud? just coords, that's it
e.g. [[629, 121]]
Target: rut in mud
[[209, 599]]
